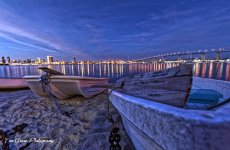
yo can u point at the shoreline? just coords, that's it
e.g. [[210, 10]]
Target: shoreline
[[87, 128]]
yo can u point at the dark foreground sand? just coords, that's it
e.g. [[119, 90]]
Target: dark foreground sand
[[87, 128]]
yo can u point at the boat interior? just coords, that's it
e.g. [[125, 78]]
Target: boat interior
[[208, 94]]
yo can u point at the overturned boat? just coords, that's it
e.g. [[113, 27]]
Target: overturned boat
[[155, 123], [64, 87], [7, 84]]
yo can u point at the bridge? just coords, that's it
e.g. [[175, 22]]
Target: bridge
[[189, 54]]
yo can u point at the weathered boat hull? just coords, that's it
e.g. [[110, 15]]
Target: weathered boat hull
[[64, 87], [7, 84], [153, 125], [171, 86]]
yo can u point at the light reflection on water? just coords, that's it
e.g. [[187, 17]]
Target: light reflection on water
[[114, 71]]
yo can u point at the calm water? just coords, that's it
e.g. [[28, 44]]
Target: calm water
[[115, 71]]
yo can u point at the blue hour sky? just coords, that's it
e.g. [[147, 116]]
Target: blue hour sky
[[104, 29]]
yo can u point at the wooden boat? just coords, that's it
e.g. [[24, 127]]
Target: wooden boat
[[64, 87], [171, 86], [154, 125], [7, 84]]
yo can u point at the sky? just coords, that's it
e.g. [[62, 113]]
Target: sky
[[111, 29]]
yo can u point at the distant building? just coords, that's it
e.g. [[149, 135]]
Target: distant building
[[38, 60], [74, 60], [28, 61], [8, 60], [50, 59], [14, 61], [3, 60]]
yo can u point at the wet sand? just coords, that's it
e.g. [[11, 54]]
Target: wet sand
[[87, 128]]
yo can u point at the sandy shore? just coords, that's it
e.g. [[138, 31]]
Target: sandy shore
[[87, 128]]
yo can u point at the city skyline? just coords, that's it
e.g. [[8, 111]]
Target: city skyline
[[203, 55], [100, 30]]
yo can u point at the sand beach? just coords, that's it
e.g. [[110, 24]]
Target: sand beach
[[32, 122]]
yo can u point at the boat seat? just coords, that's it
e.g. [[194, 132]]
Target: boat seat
[[203, 98]]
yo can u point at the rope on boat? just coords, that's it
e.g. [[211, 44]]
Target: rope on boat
[[219, 104], [45, 80], [114, 137]]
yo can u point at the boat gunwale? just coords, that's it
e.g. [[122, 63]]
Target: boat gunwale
[[66, 77], [146, 119], [162, 122], [9, 78], [213, 116]]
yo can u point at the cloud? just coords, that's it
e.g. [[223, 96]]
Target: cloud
[[15, 40], [23, 31], [17, 29]]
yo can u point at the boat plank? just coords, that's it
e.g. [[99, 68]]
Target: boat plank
[[171, 86]]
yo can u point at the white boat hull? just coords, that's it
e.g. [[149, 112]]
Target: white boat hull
[[64, 87], [153, 125], [12, 84]]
